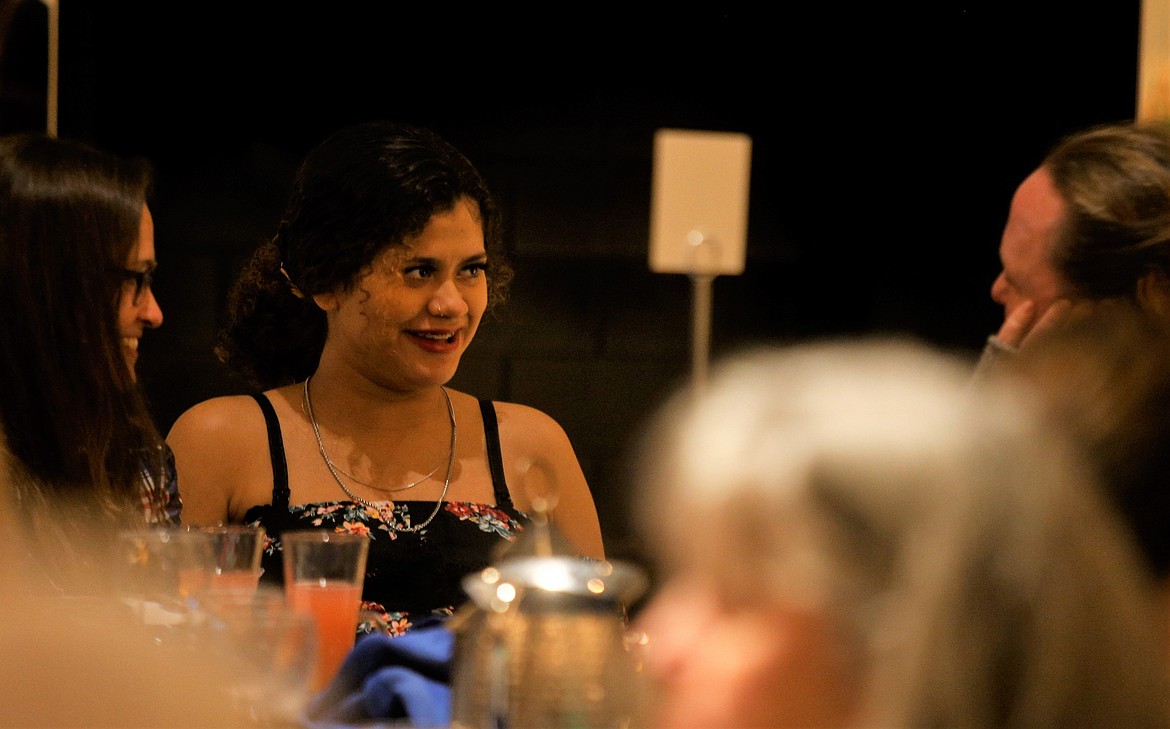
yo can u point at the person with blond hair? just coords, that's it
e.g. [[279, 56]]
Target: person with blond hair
[[852, 534]]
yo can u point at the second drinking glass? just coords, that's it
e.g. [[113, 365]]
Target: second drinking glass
[[324, 573]]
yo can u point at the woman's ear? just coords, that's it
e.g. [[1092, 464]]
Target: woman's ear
[[1153, 295], [326, 302]]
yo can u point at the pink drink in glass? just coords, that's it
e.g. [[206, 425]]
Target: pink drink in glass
[[335, 607], [236, 581], [197, 582], [193, 581]]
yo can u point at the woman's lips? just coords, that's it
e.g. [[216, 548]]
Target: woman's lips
[[437, 342]]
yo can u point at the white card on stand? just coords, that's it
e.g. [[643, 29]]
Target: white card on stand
[[699, 201]]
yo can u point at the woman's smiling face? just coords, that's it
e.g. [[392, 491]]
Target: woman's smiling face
[[137, 309], [407, 321]]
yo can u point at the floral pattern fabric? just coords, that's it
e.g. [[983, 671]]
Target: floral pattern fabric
[[410, 577]]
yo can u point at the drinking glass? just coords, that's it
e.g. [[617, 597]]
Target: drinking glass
[[268, 652], [237, 549], [324, 573], [157, 571]]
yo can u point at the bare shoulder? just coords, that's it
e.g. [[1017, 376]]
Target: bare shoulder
[[530, 436], [223, 419], [523, 423], [221, 454]]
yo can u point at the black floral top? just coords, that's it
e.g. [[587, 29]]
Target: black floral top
[[409, 576]]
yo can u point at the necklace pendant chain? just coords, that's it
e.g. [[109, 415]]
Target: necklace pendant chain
[[386, 489], [337, 472]]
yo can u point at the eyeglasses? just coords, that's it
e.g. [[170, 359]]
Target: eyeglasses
[[142, 281]]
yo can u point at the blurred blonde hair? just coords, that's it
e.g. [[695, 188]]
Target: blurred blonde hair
[[86, 663], [957, 542]]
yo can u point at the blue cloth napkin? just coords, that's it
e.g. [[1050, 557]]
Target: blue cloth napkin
[[405, 679]]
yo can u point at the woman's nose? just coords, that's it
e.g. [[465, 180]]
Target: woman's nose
[[149, 311], [998, 289], [449, 300]]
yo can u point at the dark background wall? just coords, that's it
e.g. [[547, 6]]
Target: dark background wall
[[886, 143]]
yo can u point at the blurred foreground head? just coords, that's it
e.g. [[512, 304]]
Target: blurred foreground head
[[852, 534], [85, 662]]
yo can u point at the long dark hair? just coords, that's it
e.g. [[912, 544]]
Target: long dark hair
[[365, 188], [75, 422]]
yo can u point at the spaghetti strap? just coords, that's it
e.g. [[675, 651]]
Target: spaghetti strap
[[491, 434], [280, 492]]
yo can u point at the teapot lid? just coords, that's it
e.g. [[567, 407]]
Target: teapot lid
[[497, 587], [542, 562]]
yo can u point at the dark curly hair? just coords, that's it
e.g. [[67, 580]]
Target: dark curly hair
[[365, 188]]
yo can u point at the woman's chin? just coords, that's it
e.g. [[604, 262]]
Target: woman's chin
[[131, 357]]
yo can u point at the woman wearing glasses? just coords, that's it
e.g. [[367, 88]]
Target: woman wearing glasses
[[76, 259]]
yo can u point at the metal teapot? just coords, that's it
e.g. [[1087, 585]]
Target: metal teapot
[[542, 643]]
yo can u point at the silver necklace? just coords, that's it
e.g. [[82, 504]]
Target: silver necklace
[[337, 476], [305, 407], [383, 488], [387, 489]]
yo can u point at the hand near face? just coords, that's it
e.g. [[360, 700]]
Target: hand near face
[[1017, 323], [1023, 325]]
